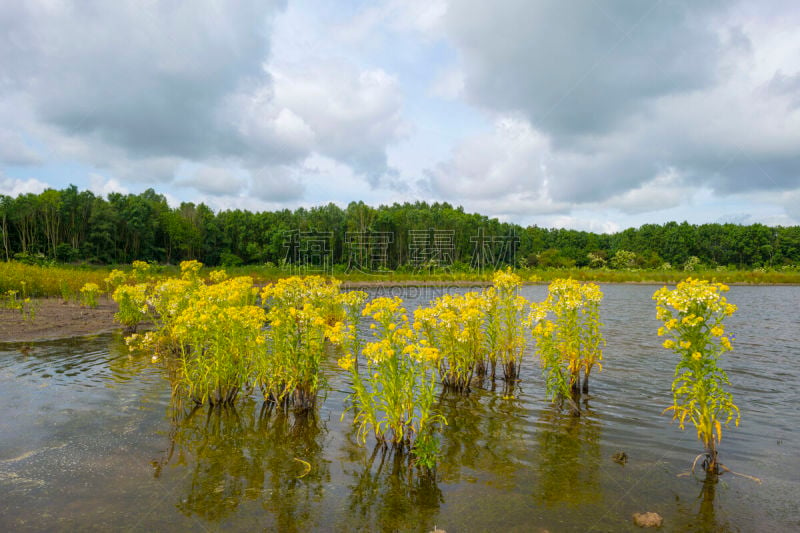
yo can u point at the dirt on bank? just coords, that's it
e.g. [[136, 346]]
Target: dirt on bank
[[55, 319]]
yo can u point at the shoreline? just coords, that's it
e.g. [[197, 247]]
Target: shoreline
[[55, 319]]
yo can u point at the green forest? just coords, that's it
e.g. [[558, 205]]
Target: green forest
[[72, 226]]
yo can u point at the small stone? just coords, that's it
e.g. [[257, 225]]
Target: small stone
[[647, 519]]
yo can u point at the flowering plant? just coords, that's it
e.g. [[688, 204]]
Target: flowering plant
[[572, 341], [394, 396], [693, 315]]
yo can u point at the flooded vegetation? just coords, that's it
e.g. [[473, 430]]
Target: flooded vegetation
[[97, 442]]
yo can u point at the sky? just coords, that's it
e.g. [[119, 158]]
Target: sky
[[587, 115]]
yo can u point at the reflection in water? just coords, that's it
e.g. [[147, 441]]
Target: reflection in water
[[485, 433], [705, 517], [248, 454], [387, 490], [569, 458], [83, 418], [123, 363]]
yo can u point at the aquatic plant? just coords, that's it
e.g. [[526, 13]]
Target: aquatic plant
[[302, 315], [505, 329], [217, 342], [572, 341], [693, 315], [455, 325], [394, 396], [352, 303]]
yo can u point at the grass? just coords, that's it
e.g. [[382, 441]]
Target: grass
[[66, 280], [43, 281]]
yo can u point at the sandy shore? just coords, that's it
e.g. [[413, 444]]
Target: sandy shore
[[55, 319]]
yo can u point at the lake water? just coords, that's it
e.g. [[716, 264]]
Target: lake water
[[88, 442]]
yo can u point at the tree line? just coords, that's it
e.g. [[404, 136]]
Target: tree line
[[78, 226]]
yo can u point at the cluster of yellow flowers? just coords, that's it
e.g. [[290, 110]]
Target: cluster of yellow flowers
[[693, 314], [89, 293], [190, 269], [453, 329], [394, 396], [506, 281], [114, 279], [692, 295], [133, 307], [694, 311], [571, 342]]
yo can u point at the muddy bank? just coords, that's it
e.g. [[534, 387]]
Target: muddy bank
[[55, 319]]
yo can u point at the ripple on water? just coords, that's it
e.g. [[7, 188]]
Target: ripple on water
[[89, 421]]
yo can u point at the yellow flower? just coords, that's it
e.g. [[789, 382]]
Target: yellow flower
[[686, 344], [669, 344], [696, 356], [346, 363]]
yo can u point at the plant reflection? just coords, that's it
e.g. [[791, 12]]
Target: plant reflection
[[704, 516], [568, 458], [124, 364], [484, 433], [248, 454], [387, 489]]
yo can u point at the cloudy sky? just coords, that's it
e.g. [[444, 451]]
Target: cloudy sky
[[584, 114]]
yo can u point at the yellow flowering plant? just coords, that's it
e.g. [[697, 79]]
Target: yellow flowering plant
[[217, 329], [352, 303], [190, 270], [114, 279], [693, 315], [218, 344], [395, 395], [24, 305], [141, 271], [572, 341], [133, 306], [505, 330], [301, 316], [89, 293], [455, 325]]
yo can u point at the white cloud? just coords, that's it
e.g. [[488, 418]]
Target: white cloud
[[215, 180], [664, 191], [14, 150], [510, 159], [592, 224], [276, 184], [353, 114], [634, 109], [103, 186], [449, 84], [14, 186]]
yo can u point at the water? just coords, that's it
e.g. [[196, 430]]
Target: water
[[88, 442]]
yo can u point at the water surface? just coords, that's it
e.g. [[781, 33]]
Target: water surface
[[88, 441]]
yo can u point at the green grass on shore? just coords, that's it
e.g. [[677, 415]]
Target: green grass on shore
[[66, 280]]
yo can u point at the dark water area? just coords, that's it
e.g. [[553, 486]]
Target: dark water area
[[88, 441]]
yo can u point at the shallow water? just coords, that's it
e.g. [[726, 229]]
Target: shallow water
[[88, 441]]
